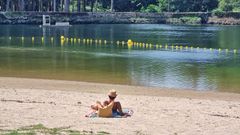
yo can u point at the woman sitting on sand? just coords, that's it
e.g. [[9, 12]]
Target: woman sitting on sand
[[117, 108]]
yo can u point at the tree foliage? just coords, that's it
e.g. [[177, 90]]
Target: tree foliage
[[229, 5], [120, 5]]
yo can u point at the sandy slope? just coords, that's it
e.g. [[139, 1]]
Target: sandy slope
[[25, 102]]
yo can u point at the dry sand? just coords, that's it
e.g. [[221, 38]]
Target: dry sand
[[53, 103]]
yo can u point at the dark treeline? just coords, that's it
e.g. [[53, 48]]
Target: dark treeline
[[120, 5]]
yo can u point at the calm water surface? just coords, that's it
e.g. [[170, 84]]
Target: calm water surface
[[201, 70]]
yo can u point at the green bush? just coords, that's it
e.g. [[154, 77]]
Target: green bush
[[191, 20], [151, 9]]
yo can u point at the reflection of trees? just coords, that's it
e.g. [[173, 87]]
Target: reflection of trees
[[164, 73], [228, 37], [225, 76]]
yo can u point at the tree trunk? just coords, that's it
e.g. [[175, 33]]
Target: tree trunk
[[84, 6], [7, 5], [66, 6], [92, 5], [96, 5], [79, 5], [22, 5], [57, 5], [54, 6], [112, 5], [33, 5], [40, 5], [61, 5]]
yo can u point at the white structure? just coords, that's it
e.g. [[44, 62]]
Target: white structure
[[46, 20], [62, 24]]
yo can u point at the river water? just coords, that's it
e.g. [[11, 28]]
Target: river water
[[197, 69]]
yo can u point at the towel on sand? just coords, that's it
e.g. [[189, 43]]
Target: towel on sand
[[128, 113]]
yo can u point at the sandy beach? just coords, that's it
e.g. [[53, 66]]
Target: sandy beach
[[157, 111]]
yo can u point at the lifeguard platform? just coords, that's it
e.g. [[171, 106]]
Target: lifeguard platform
[[46, 20]]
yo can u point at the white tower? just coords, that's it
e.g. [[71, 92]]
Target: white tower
[[46, 20]]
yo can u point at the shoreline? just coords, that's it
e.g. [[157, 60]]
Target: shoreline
[[101, 88], [222, 18], [57, 104]]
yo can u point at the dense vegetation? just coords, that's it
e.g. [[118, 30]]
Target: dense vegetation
[[121, 5]]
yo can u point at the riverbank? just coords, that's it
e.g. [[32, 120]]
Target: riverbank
[[229, 18], [54, 103]]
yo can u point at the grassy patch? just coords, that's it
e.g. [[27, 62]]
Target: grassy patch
[[40, 129]]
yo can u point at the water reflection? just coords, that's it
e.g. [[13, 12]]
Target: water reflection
[[172, 69], [199, 70]]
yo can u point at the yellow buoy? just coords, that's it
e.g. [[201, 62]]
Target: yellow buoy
[[176, 47], [62, 37], [150, 45], [123, 42], [105, 41], [32, 39], [42, 39], [75, 40], [166, 47], [235, 51], [147, 45], [211, 49], [118, 42], [130, 42], [88, 41], [186, 47], [22, 38], [226, 50], [219, 50], [51, 39], [100, 41], [79, 40]]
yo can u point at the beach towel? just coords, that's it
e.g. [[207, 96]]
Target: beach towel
[[128, 112]]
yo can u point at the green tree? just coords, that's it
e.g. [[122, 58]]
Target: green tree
[[229, 5], [162, 4], [193, 6]]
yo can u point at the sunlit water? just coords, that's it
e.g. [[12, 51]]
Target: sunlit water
[[197, 69]]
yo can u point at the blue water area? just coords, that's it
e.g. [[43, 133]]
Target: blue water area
[[197, 69]]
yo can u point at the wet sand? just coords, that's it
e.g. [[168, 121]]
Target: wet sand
[[55, 103]]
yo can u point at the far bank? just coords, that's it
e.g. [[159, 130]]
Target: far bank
[[35, 18]]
